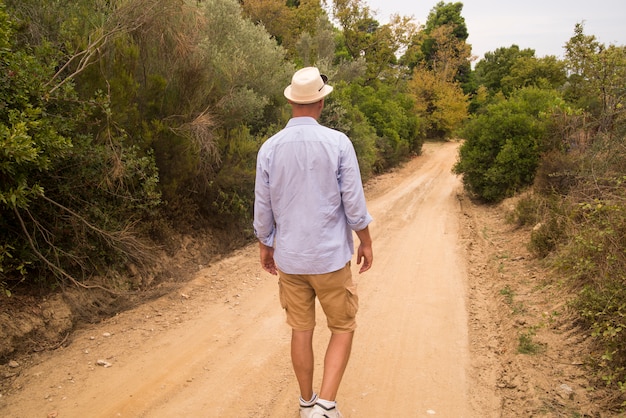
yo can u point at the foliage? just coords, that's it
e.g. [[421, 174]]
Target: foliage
[[447, 13], [231, 192], [595, 259], [363, 36], [603, 309], [497, 66], [69, 194], [580, 185], [439, 102], [527, 345], [547, 235], [596, 83], [392, 115], [210, 73], [441, 47], [501, 153], [544, 73], [317, 48], [286, 22]]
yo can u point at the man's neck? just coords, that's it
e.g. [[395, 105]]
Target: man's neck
[[313, 110]]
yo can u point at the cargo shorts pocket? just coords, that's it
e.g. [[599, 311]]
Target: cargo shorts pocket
[[281, 295], [352, 301]]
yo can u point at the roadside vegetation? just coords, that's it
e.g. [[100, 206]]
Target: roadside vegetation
[[127, 125], [554, 132]]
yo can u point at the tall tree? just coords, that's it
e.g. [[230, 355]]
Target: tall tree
[[546, 73], [444, 14], [284, 20], [497, 65], [442, 43], [440, 103], [365, 37], [597, 75]]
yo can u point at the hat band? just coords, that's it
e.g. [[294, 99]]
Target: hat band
[[324, 81]]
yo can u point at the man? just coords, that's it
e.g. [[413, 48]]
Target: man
[[308, 200]]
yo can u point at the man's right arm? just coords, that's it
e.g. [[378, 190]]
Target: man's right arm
[[267, 258]]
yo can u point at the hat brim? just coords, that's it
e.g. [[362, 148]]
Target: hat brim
[[325, 91]]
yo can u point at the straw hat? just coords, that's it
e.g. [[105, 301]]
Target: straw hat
[[307, 86]]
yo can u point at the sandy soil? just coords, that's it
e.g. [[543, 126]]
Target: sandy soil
[[452, 297]]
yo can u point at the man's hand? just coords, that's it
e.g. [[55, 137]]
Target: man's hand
[[267, 259], [366, 255], [365, 252]]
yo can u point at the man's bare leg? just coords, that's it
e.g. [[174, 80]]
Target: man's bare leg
[[335, 362], [302, 360]]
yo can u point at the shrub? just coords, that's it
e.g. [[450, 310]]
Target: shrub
[[71, 187], [593, 254], [603, 309], [557, 172], [545, 237], [527, 211], [501, 152]]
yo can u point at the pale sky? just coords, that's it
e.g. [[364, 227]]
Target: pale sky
[[543, 25]]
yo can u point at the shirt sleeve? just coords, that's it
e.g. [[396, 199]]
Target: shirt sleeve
[[264, 225], [351, 187]]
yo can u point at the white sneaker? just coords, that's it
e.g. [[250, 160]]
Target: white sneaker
[[320, 411], [306, 411]]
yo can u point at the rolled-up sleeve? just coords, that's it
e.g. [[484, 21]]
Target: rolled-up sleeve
[[352, 194]]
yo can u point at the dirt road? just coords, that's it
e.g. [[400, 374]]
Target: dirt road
[[220, 348]]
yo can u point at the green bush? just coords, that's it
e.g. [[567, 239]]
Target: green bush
[[391, 114], [598, 238], [502, 145], [71, 187]]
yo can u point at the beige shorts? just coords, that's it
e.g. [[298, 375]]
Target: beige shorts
[[335, 291]]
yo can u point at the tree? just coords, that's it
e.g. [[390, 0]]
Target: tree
[[58, 180], [447, 14], [596, 80], [442, 43], [439, 96], [363, 36], [392, 115], [545, 73], [440, 103], [497, 65], [285, 21]]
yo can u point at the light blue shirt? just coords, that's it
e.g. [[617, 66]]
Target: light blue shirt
[[309, 198]]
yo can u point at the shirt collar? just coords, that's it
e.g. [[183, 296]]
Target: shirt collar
[[302, 120]]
